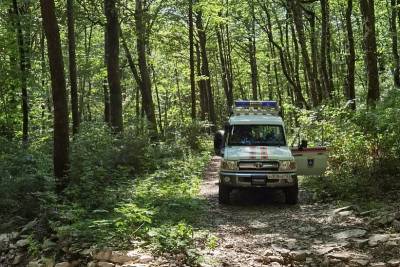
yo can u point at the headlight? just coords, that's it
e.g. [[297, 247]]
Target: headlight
[[287, 165], [229, 165]]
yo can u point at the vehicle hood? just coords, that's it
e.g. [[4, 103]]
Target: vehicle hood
[[257, 153]]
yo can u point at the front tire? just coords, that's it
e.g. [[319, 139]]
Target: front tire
[[292, 195], [224, 194]]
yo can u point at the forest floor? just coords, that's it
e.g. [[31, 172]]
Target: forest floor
[[260, 230]]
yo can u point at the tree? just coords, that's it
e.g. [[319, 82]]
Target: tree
[[72, 66], [191, 62], [24, 65], [112, 55], [59, 92], [393, 31], [351, 58], [145, 85], [368, 17]]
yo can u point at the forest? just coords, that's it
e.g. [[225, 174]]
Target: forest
[[108, 110]]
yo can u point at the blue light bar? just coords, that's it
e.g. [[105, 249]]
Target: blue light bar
[[248, 103]]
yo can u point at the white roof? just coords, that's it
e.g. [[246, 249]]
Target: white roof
[[255, 119]]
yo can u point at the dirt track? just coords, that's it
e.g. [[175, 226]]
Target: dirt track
[[260, 230]]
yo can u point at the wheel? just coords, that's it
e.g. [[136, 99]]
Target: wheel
[[292, 195], [223, 194]]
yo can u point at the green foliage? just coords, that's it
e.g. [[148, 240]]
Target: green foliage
[[364, 150]]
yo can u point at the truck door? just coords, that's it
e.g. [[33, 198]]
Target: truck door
[[311, 161]]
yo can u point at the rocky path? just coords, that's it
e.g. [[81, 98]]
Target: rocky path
[[259, 230]]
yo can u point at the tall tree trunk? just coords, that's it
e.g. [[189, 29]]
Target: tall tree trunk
[[314, 58], [298, 22], [202, 86], [191, 63], [24, 69], [143, 67], [368, 16], [395, 51], [325, 40], [224, 69], [205, 68], [252, 54], [72, 66], [351, 58], [113, 75], [59, 92]]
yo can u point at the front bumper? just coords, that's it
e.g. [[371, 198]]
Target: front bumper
[[263, 180]]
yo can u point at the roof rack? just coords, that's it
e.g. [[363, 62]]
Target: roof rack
[[251, 107]]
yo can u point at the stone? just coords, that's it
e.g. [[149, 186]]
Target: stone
[[347, 208], [386, 219], [341, 255], [274, 264], [367, 213], [281, 250], [29, 226], [91, 264], [103, 255], [146, 259], [394, 263], [350, 233], [359, 242], [377, 264], [105, 264], [123, 256], [35, 264], [22, 243], [48, 244], [63, 264], [274, 258], [396, 225], [299, 255], [345, 213], [377, 238], [307, 229], [18, 259], [359, 262]]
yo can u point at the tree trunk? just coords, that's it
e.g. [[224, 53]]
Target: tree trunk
[[59, 92], [224, 69], [191, 62], [298, 22], [205, 68], [325, 39], [72, 66], [145, 87], [368, 16], [202, 86], [395, 51], [113, 75], [351, 58], [314, 58], [252, 55], [24, 69]]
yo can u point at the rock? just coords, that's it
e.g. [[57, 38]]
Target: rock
[[391, 244], [341, 255], [274, 264], [394, 263], [105, 264], [350, 233], [345, 213], [63, 264], [359, 242], [367, 213], [359, 262], [35, 264], [22, 243], [124, 256], [48, 262], [103, 255], [281, 250], [347, 208], [274, 258], [377, 238], [396, 225], [377, 264], [29, 226], [91, 264], [307, 229], [386, 219], [300, 255], [18, 259], [146, 259]]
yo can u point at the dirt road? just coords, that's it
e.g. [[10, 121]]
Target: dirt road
[[260, 230]]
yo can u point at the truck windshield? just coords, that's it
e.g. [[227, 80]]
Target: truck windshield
[[256, 135]]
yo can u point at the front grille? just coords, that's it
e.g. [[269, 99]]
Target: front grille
[[259, 165]]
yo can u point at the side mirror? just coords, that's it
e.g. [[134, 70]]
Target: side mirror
[[219, 142]]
